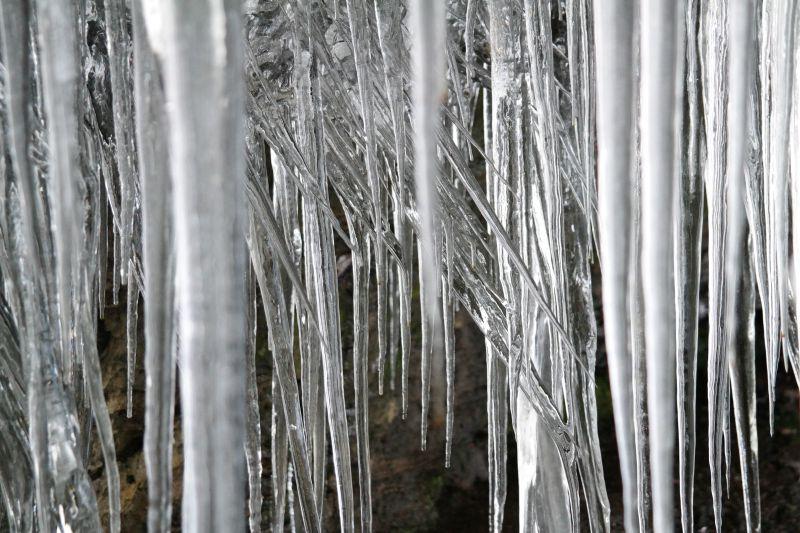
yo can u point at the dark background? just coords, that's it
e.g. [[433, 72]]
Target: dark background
[[412, 490]]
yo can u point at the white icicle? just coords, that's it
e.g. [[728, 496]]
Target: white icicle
[[427, 58], [203, 61], [158, 259], [660, 101], [614, 56]]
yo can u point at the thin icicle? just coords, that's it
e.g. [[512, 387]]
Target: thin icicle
[[714, 54], [389, 16], [360, 265], [503, 29], [252, 447], [688, 235], [279, 460], [449, 349], [741, 367], [283, 368], [132, 321], [119, 49], [362, 54]]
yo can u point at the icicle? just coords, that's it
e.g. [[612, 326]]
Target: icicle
[[60, 70], [281, 481], [714, 40], [740, 310], [252, 447], [660, 101], [794, 155], [202, 72], [326, 123], [614, 56], [390, 32], [449, 348], [119, 48], [741, 367], [688, 235], [132, 318], [782, 18], [159, 273], [322, 278], [502, 36], [362, 54], [427, 55], [360, 264], [283, 368]]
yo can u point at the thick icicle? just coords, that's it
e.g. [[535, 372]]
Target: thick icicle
[[614, 56], [152, 136], [427, 55], [60, 69], [660, 103], [201, 50]]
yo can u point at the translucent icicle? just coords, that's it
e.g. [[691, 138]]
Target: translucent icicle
[[283, 367], [713, 54], [389, 16], [321, 277], [740, 301], [311, 351], [132, 320], [449, 349], [688, 236], [203, 60], [360, 264], [502, 36], [362, 54], [119, 48], [279, 458], [252, 448], [614, 56], [783, 35], [741, 367], [60, 68]]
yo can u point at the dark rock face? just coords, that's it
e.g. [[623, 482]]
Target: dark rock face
[[412, 490]]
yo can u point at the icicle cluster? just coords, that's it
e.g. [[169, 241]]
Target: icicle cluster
[[493, 153]]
